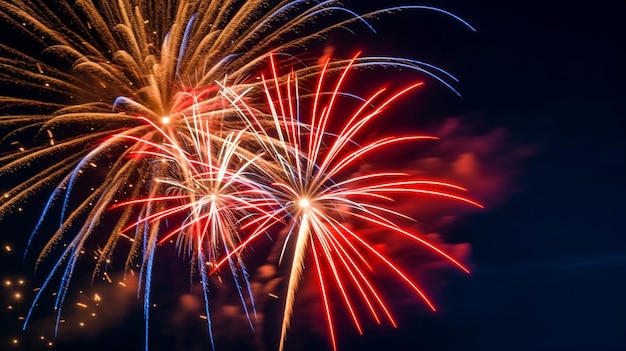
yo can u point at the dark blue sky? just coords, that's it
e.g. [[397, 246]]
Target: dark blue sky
[[551, 262]]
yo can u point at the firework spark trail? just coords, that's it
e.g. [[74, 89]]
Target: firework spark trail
[[140, 58], [94, 67], [320, 194], [209, 187]]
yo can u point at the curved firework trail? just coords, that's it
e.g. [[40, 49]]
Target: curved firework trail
[[207, 185], [103, 89], [321, 193]]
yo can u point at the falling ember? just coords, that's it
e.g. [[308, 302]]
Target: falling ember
[[51, 137]]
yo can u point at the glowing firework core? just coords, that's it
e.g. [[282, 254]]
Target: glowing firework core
[[181, 103], [304, 203]]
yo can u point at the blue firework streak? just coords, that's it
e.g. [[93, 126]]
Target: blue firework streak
[[111, 78]]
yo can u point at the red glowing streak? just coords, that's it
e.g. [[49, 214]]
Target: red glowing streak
[[305, 177], [310, 158]]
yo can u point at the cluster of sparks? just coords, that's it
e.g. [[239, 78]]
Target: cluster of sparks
[[183, 112]]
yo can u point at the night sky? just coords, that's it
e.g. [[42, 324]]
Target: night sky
[[548, 254], [550, 261]]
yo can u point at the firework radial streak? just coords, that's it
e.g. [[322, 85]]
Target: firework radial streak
[[209, 189], [102, 85], [320, 192]]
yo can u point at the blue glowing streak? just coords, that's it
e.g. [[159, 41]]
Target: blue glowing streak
[[430, 8], [185, 42], [412, 66], [49, 204], [149, 256], [205, 290], [233, 269], [352, 13]]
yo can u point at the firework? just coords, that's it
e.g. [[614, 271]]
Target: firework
[[210, 189], [322, 194], [105, 89]]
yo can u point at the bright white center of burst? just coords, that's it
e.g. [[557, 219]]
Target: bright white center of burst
[[213, 197], [304, 203], [165, 120]]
